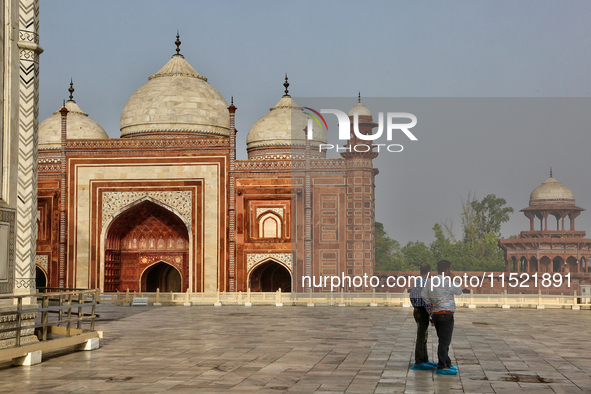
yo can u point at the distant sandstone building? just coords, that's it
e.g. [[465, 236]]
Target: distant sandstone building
[[549, 247], [168, 206]]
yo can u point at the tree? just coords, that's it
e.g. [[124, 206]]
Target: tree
[[490, 213], [481, 226], [417, 253], [442, 248], [389, 257]]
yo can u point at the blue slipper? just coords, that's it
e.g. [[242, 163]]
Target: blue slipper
[[447, 371], [433, 365], [423, 367]]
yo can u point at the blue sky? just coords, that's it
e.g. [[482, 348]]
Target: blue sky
[[335, 49]]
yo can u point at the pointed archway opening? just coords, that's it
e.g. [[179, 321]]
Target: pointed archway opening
[[557, 264], [270, 277], [545, 264], [140, 236], [572, 265], [40, 278], [161, 276], [533, 264]]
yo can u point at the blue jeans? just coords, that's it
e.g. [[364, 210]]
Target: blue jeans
[[422, 318], [444, 325]]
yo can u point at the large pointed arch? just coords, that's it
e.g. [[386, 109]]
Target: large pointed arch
[[116, 214], [125, 221]]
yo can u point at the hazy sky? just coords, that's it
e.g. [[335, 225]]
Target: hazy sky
[[381, 48]]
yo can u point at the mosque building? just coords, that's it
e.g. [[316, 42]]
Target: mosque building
[[168, 206]]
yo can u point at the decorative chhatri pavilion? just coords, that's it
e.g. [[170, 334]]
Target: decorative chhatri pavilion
[[549, 247]]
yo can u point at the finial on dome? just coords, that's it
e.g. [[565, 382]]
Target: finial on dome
[[232, 101], [359, 98], [64, 104], [550, 172], [286, 84], [178, 43], [71, 90]]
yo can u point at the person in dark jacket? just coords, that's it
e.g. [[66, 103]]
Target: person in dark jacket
[[421, 315]]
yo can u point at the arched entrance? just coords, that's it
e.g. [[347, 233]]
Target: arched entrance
[[145, 234], [161, 276], [269, 277], [533, 264], [557, 264], [513, 264], [40, 278], [572, 265]]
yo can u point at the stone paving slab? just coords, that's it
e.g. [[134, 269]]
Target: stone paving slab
[[234, 349]]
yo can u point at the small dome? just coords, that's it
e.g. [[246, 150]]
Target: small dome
[[360, 109], [551, 191], [79, 127], [283, 125], [176, 99]]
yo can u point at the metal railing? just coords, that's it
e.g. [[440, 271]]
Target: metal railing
[[58, 311]]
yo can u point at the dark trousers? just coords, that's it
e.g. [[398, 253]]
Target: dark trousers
[[422, 318], [444, 324]]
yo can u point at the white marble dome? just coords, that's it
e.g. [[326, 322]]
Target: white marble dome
[[552, 190], [360, 109], [78, 125], [283, 125], [176, 99]]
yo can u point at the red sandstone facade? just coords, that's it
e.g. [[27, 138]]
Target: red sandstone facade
[[547, 249], [175, 211]]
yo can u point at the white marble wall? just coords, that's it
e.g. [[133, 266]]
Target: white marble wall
[[19, 122], [209, 172]]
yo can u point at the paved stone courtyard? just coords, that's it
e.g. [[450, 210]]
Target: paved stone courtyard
[[269, 349]]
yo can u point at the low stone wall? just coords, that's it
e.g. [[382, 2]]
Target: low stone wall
[[8, 338]]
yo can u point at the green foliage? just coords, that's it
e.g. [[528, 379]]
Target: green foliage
[[417, 253], [477, 250], [388, 254], [481, 229]]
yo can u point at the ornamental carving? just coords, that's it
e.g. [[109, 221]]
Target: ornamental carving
[[277, 210], [42, 260], [50, 160], [49, 168], [148, 143], [27, 54], [176, 260], [253, 259], [258, 164], [181, 201], [24, 35]]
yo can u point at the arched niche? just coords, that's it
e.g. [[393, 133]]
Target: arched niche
[[270, 225], [269, 276], [138, 235], [40, 277], [557, 264]]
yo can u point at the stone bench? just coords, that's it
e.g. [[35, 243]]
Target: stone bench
[[139, 301]]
